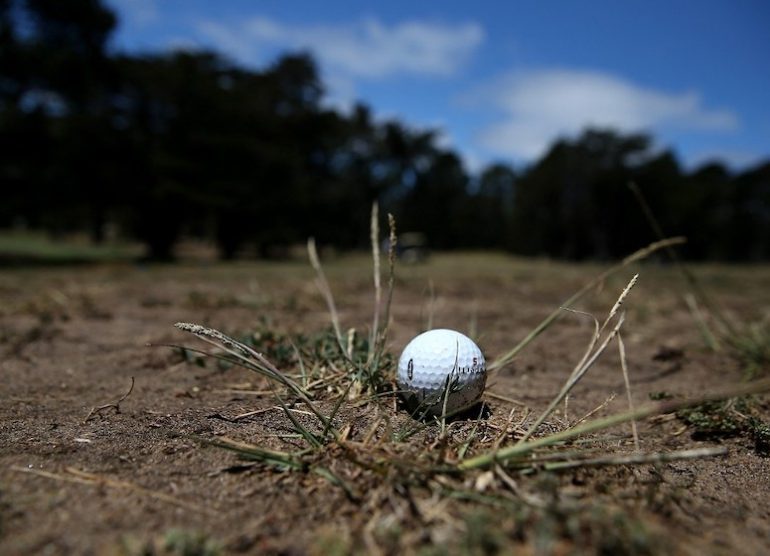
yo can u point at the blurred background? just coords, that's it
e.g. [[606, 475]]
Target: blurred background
[[131, 128]]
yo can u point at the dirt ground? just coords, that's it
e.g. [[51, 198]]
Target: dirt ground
[[139, 481]]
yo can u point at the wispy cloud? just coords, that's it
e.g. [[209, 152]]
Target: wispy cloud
[[141, 12], [538, 106], [362, 49]]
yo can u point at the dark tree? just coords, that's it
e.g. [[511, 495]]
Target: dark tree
[[748, 231], [574, 203], [492, 207], [68, 78], [189, 144]]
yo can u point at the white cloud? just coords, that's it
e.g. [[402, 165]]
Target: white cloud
[[539, 106], [141, 12], [364, 49], [343, 92], [736, 159]]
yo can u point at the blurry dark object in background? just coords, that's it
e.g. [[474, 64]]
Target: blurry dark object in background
[[160, 147], [412, 247]]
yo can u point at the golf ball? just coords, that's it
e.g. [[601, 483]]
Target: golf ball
[[437, 364]]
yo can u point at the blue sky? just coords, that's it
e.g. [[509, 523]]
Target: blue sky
[[502, 79]]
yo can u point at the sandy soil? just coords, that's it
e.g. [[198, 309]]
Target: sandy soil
[[138, 480]]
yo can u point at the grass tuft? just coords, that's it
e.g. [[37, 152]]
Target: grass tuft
[[182, 542], [723, 419], [429, 483]]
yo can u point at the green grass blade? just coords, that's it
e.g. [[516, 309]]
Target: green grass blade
[[668, 406], [557, 313]]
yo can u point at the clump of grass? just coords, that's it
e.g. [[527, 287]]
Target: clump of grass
[[173, 542], [721, 419], [415, 467], [372, 376], [182, 542], [277, 347], [752, 347], [554, 526], [354, 372], [660, 395]]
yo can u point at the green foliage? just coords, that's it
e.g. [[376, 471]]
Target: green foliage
[[180, 542], [552, 528], [319, 353], [735, 417], [30, 248], [752, 348], [662, 395], [714, 419]]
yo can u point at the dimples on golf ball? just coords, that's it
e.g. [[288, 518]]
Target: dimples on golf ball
[[429, 359]]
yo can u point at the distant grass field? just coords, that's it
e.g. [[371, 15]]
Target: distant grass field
[[162, 450], [20, 248]]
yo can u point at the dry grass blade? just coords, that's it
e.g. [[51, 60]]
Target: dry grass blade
[[638, 458], [501, 397], [326, 291], [586, 361], [545, 323], [283, 460], [51, 475], [595, 337], [667, 406], [240, 351], [506, 429], [82, 477], [392, 245], [589, 348], [338, 404], [250, 359], [337, 481], [574, 379], [708, 336], [621, 298], [463, 449], [380, 333], [215, 335], [530, 499], [595, 410], [627, 382], [309, 437], [301, 362], [375, 238], [689, 277], [431, 305]]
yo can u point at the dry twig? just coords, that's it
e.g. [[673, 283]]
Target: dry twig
[[115, 405], [82, 477]]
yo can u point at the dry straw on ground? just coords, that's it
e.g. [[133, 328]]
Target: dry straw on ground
[[328, 443]]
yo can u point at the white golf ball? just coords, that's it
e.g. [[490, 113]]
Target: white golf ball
[[438, 362]]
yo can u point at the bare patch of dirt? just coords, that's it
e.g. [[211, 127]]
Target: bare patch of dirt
[[138, 479]]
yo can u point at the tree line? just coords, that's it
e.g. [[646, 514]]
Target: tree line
[[170, 145]]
